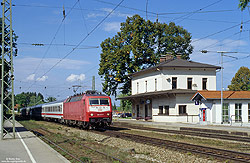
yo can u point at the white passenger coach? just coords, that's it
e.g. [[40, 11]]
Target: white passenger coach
[[53, 110]]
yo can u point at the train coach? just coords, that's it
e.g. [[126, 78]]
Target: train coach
[[88, 110], [53, 111]]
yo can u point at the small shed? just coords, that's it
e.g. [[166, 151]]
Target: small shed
[[235, 110]]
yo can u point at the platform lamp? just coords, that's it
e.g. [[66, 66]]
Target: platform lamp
[[222, 53]]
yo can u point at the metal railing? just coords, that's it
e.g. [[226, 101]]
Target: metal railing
[[238, 120]]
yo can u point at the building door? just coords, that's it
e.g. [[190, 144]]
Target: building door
[[204, 115], [146, 110], [137, 110], [225, 112]]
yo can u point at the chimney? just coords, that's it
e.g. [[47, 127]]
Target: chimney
[[164, 58], [178, 56]]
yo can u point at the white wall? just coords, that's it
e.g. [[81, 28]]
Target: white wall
[[216, 112], [181, 74]]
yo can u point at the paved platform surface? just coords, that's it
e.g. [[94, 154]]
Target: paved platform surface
[[27, 148], [222, 128]]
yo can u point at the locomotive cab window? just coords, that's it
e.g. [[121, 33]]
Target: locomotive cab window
[[93, 102], [104, 101], [99, 101]]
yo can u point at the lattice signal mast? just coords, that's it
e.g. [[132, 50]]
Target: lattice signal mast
[[7, 76]]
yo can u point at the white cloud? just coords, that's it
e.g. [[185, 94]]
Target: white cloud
[[112, 26], [31, 77], [43, 78], [106, 11], [74, 77], [28, 64]]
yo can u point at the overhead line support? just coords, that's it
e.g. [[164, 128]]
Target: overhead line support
[[7, 72]]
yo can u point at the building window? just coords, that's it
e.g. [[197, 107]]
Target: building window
[[160, 110], [137, 86], [249, 112], [146, 86], [204, 83], [225, 113], [155, 84], [166, 110], [238, 112], [189, 83], [182, 109], [174, 83]]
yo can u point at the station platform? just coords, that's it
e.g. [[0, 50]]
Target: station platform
[[27, 148], [210, 128]]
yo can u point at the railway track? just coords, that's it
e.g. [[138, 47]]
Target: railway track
[[185, 132], [41, 132], [220, 154]]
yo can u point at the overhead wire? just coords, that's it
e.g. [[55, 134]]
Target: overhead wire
[[45, 44], [84, 22], [226, 29], [53, 39], [82, 39], [196, 11]]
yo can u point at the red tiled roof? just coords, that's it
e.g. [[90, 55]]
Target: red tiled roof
[[226, 94]]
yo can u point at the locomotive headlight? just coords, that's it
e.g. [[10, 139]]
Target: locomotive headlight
[[91, 114], [107, 114]]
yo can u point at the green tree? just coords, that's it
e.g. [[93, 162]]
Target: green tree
[[243, 4], [114, 107], [50, 99], [29, 99], [241, 80], [137, 46], [125, 105]]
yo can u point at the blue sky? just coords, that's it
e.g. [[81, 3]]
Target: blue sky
[[213, 24]]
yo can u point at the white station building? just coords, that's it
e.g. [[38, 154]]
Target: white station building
[[163, 93]]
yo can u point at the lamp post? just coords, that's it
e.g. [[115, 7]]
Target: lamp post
[[222, 53]]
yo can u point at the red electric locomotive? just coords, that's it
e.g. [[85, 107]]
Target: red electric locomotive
[[88, 110]]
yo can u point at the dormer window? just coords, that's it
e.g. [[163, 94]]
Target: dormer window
[[174, 82]]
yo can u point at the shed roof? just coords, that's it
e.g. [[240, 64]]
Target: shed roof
[[207, 95], [178, 63]]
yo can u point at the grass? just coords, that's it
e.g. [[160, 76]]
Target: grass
[[70, 139]]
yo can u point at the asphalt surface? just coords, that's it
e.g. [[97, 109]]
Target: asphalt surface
[[27, 148]]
